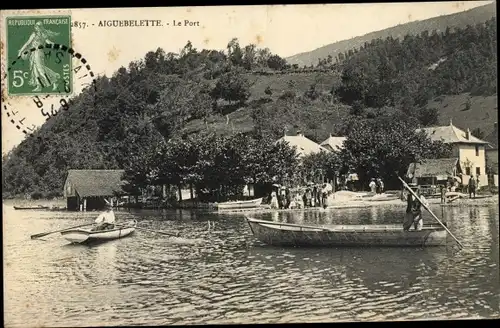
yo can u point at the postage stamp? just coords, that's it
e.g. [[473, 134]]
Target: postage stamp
[[39, 69], [49, 104]]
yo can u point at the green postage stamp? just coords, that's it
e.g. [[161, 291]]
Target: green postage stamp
[[35, 64]]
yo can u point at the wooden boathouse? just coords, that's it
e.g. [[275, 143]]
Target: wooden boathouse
[[430, 173], [86, 190]]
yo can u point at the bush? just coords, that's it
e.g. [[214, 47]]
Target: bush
[[52, 194], [36, 195]]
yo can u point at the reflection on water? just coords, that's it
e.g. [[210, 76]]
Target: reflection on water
[[224, 275]]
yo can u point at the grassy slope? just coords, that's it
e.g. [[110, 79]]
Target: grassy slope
[[482, 114], [469, 17], [240, 120]]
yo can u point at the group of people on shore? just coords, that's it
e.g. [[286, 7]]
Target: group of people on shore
[[376, 185], [472, 186], [312, 196]]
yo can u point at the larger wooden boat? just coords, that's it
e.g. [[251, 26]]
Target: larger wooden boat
[[252, 203], [38, 207], [286, 234], [90, 235]]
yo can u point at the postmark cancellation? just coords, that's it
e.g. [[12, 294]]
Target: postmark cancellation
[[42, 66]]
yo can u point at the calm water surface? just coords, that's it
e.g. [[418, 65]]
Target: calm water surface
[[223, 275]]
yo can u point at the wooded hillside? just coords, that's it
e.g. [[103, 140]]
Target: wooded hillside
[[473, 16], [252, 90]]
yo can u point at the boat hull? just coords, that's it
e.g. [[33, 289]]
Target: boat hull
[[240, 204], [31, 207], [277, 234], [87, 235]]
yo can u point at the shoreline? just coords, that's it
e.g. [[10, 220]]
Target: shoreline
[[348, 204], [485, 201]]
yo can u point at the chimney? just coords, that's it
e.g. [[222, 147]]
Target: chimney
[[495, 126], [467, 134], [299, 133], [451, 121]]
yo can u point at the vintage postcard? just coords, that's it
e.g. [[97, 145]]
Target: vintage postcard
[[250, 164]]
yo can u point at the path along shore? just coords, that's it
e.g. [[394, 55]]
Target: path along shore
[[344, 204]]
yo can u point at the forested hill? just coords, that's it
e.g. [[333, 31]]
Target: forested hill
[[247, 89], [459, 20]]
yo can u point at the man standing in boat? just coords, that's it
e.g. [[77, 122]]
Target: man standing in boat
[[106, 220], [413, 210]]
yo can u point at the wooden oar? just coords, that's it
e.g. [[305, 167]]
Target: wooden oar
[[429, 210], [160, 232], [156, 231], [51, 232]]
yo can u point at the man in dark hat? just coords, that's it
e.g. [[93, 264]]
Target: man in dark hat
[[106, 220], [471, 186], [413, 209]]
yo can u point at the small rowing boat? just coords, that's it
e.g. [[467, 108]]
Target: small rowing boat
[[286, 234], [240, 204], [38, 207], [88, 235]]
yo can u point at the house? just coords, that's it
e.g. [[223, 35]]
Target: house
[[303, 145], [468, 149], [333, 143], [434, 171], [88, 189], [492, 156]]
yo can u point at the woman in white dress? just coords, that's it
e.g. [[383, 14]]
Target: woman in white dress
[[274, 200]]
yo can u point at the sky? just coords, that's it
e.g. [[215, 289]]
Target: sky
[[285, 30]]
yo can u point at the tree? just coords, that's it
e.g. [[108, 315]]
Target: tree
[[268, 91], [235, 54], [263, 56], [382, 146], [428, 116], [249, 56], [312, 93], [232, 86], [276, 62], [324, 164], [181, 100]]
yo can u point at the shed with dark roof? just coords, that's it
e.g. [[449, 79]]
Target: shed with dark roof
[[89, 189], [430, 171]]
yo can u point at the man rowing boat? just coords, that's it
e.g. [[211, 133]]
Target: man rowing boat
[[414, 210], [106, 220]]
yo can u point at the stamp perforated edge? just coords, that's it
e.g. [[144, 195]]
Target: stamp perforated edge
[[4, 64]]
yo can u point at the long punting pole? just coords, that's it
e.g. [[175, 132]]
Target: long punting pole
[[429, 210]]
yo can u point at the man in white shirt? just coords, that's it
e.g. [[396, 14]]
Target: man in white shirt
[[373, 185], [106, 220]]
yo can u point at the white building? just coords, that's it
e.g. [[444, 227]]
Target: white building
[[333, 143], [303, 145], [468, 149]]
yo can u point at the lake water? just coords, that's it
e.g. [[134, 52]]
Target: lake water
[[223, 275]]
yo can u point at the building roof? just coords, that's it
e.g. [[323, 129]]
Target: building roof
[[333, 143], [451, 134], [304, 146], [89, 183], [492, 138], [442, 167]]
